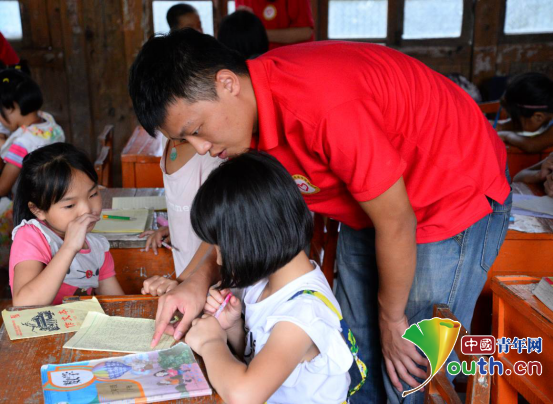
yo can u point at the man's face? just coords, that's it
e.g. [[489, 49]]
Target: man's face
[[222, 128]]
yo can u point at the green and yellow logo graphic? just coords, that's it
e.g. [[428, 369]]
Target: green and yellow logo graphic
[[436, 338]]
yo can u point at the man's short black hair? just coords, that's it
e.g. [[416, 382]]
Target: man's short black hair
[[244, 32], [176, 11], [252, 209], [182, 64], [18, 87]]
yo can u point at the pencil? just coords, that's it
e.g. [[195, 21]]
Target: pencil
[[117, 217], [222, 306], [170, 247]]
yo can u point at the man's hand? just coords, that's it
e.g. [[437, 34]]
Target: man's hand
[[189, 297], [400, 356]]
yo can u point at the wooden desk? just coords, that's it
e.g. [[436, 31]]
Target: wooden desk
[[528, 253], [133, 266], [140, 161], [518, 160], [21, 360], [518, 313]]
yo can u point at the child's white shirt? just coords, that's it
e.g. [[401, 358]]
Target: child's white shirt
[[180, 189], [27, 139], [325, 378]]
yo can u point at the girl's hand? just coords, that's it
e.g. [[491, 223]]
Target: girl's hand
[[155, 238], [204, 331], [75, 234], [158, 285], [546, 167], [232, 312]]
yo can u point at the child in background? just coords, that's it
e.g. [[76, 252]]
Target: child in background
[[528, 101], [290, 339], [184, 171], [20, 102], [244, 32], [53, 254], [184, 16]]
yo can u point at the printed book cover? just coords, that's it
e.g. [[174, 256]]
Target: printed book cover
[[146, 377]]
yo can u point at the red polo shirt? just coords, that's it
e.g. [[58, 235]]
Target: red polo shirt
[[278, 14], [347, 120]]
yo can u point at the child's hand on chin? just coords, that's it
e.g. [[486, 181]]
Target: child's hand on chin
[[204, 331], [232, 312]]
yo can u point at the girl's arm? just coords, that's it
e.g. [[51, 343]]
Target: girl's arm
[[534, 144], [235, 381], [237, 338], [36, 284], [530, 175], [9, 175], [109, 287]]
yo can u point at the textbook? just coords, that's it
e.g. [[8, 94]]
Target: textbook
[[139, 378], [49, 320], [544, 291], [135, 223]]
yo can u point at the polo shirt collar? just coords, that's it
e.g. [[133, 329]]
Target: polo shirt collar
[[266, 119]]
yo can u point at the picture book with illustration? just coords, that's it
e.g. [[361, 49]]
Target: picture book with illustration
[[146, 377]]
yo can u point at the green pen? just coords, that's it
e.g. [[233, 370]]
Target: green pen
[[117, 217]]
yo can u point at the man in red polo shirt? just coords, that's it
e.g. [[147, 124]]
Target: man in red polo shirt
[[286, 21], [398, 154]]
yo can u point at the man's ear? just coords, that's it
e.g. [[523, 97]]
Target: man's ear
[[36, 211], [228, 81]]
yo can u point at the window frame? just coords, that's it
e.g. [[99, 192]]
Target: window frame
[[394, 30], [17, 44], [504, 38]]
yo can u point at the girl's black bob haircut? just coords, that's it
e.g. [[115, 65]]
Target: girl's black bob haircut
[[46, 176], [18, 87], [252, 209], [526, 94]]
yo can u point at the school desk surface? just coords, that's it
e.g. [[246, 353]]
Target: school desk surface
[[140, 161], [518, 160], [21, 360], [521, 253], [518, 313], [133, 266]]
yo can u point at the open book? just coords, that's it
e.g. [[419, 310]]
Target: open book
[[147, 377], [544, 291]]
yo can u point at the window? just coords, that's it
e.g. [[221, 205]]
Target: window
[[425, 19], [205, 10], [231, 7], [350, 19], [529, 17], [10, 20]]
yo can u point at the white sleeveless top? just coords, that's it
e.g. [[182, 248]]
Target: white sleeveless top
[[77, 273], [180, 189]]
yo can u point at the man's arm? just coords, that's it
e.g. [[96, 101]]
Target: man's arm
[[188, 298], [396, 254]]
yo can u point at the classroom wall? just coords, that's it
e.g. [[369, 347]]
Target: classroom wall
[[80, 52]]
